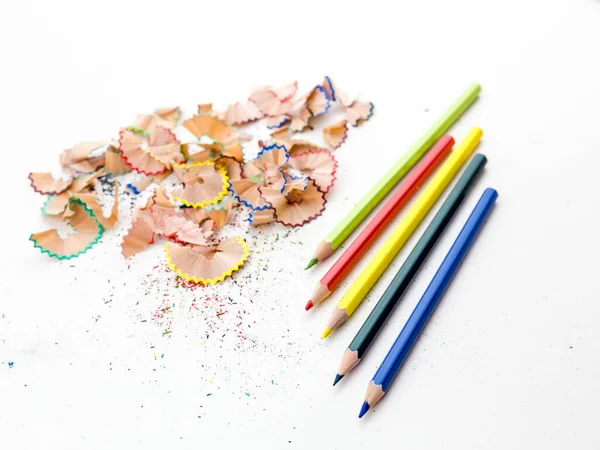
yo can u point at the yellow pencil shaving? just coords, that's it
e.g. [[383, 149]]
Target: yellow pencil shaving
[[410, 222]]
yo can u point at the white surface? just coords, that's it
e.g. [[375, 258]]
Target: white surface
[[510, 358]]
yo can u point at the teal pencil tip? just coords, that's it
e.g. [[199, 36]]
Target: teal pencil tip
[[311, 263], [363, 410], [338, 377]]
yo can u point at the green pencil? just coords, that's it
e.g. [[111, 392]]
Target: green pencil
[[356, 215], [367, 333]]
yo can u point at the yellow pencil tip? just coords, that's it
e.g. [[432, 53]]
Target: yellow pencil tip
[[326, 333]]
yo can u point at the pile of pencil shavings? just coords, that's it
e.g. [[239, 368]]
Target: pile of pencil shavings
[[198, 184]]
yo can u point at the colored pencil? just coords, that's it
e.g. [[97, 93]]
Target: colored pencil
[[402, 232], [367, 236], [394, 292], [356, 215], [422, 312]]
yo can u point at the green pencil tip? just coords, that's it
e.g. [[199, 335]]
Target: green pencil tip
[[311, 263]]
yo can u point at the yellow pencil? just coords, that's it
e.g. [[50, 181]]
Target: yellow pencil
[[402, 232]]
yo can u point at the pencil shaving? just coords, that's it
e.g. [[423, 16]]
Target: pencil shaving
[[207, 264], [114, 163], [169, 114], [319, 165], [138, 237], [242, 112], [274, 102], [56, 203], [262, 217], [91, 201], [45, 183], [204, 184], [295, 207], [359, 112], [336, 134], [87, 233]]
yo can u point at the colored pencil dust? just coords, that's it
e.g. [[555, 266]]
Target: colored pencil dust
[[356, 215], [375, 227], [390, 248], [402, 280], [422, 312]]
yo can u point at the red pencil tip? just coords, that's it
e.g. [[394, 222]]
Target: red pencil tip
[[309, 305]]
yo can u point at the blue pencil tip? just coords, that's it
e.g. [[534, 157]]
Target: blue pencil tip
[[338, 377], [363, 410]]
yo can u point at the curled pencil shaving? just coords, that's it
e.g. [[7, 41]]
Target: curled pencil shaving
[[138, 237], [242, 112], [359, 112], [87, 233], [295, 207], [336, 134], [262, 217], [91, 201], [205, 108], [56, 203], [45, 183], [82, 182], [141, 184], [314, 104], [329, 88], [335, 94], [88, 165], [274, 102], [81, 152], [276, 122], [207, 264], [219, 214], [204, 184], [274, 156], [232, 167], [115, 164], [274, 177], [169, 114], [319, 165], [161, 198], [174, 224], [218, 131], [247, 193], [300, 120], [143, 123], [281, 133], [167, 154], [200, 152], [135, 149]]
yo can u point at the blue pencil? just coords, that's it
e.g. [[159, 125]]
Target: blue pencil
[[397, 355]]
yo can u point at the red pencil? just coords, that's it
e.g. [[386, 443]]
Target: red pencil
[[375, 227]]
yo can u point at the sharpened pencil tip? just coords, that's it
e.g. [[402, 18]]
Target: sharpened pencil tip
[[338, 377], [311, 263], [309, 305], [326, 332], [363, 410]]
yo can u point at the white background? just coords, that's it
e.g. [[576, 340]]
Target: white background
[[510, 357]]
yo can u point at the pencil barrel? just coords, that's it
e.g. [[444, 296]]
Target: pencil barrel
[[403, 278], [422, 312]]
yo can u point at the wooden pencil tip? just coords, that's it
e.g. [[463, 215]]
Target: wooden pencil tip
[[309, 305], [326, 333], [311, 263], [338, 377], [363, 410]]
